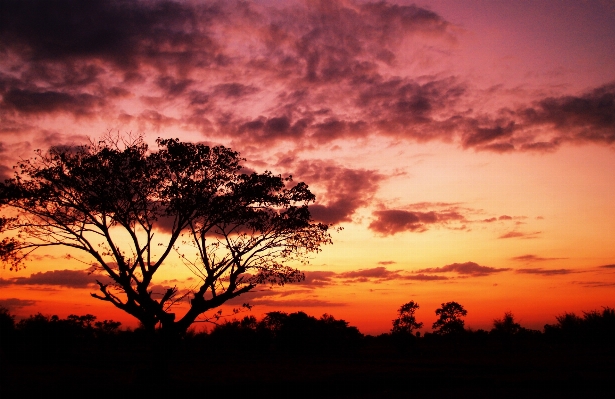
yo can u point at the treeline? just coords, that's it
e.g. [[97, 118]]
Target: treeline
[[301, 333]]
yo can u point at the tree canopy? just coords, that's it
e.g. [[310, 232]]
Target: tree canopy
[[130, 208], [406, 320], [450, 319]]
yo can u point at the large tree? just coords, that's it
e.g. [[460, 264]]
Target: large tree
[[130, 209]]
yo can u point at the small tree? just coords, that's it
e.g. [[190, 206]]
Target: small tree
[[450, 321], [129, 209], [506, 325], [406, 321]]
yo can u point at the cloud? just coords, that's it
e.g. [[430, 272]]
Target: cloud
[[115, 31], [594, 284], [260, 76], [64, 278], [392, 221], [546, 124], [424, 277], [533, 258], [386, 262], [15, 303], [39, 101], [375, 275], [608, 266], [381, 273], [318, 278], [519, 234], [468, 268], [545, 272], [586, 118], [344, 190]]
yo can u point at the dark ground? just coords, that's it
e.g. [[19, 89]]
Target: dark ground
[[371, 371]]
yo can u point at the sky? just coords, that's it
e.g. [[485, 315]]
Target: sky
[[466, 148]]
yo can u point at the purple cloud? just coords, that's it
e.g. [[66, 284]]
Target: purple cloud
[[468, 268]]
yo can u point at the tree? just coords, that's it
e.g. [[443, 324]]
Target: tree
[[506, 326], [130, 209], [450, 321], [406, 321]]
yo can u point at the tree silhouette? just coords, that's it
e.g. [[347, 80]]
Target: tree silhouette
[[131, 209], [406, 321], [450, 321], [506, 326]]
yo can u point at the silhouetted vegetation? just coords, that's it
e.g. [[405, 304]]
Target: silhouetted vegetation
[[406, 323], [450, 319], [594, 328], [106, 200], [285, 349]]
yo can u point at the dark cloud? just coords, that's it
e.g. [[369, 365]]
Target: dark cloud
[[547, 124], [344, 190], [35, 102], [467, 268], [424, 277], [380, 272], [608, 266], [321, 71], [393, 221], [318, 278], [171, 86], [480, 136], [65, 278], [533, 258], [300, 74], [122, 32], [586, 118], [234, 90], [16, 303], [300, 55], [594, 284], [545, 272], [386, 262]]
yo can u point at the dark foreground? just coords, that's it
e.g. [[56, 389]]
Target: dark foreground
[[296, 355], [371, 371]]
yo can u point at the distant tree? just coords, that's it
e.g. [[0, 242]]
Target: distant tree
[[129, 209], [594, 327], [450, 321], [506, 325], [406, 321], [7, 326], [299, 332]]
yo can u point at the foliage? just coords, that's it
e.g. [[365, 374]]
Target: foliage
[[129, 209], [595, 326], [406, 321], [506, 325], [294, 332], [450, 321], [7, 326]]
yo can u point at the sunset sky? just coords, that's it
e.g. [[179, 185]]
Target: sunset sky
[[465, 147]]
